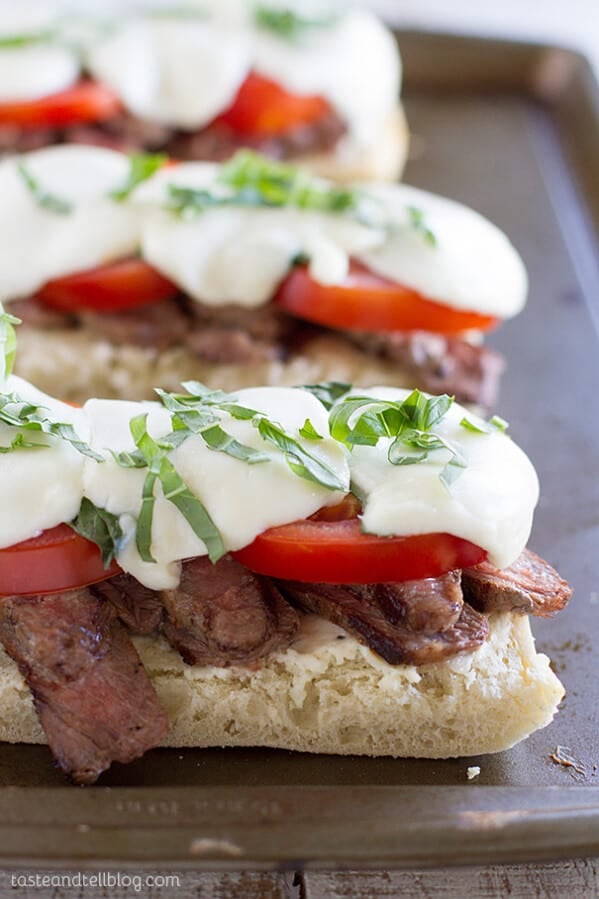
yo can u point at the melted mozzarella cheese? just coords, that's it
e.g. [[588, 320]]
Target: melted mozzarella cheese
[[40, 487], [180, 73], [36, 71], [45, 244], [491, 504], [185, 71], [355, 65], [243, 500], [471, 265], [240, 255], [33, 70]]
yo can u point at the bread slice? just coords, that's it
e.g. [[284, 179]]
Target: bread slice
[[75, 365], [329, 694], [383, 161]]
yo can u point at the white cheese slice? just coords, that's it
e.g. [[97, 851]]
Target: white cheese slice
[[40, 487], [491, 504], [242, 499], [45, 244]]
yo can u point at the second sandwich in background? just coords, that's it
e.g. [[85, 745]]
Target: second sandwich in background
[[247, 272]]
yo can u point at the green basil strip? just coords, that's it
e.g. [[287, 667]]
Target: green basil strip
[[255, 182], [218, 439], [8, 343], [309, 432], [409, 424], [417, 220], [141, 167], [99, 526], [329, 392], [18, 413], [175, 491], [43, 197], [289, 25], [299, 460], [143, 530], [196, 514]]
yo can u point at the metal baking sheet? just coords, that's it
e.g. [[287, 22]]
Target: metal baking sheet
[[513, 130]]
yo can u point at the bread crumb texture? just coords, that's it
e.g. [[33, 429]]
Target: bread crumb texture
[[52, 360], [329, 694]]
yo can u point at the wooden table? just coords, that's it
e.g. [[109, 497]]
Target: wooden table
[[578, 879]]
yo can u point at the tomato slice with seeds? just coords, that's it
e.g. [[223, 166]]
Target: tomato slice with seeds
[[263, 108], [367, 302], [58, 559], [126, 284], [86, 101]]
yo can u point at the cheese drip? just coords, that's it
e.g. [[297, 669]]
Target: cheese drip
[[240, 254]]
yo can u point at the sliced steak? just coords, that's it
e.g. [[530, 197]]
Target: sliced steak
[[91, 692], [138, 607], [218, 142], [385, 617], [36, 314], [224, 615], [237, 334], [530, 586], [440, 364], [155, 325], [427, 606]]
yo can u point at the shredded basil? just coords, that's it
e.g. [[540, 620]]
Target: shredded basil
[[250, 180], [288, 24], [197, 413], [309, 432], [175, 490], [99, 526], [42, 197], [496, 423], [15, 41], [300, 461], [19, 413], [141, 167], [19, 442], [417, 221], [360, 420], [328, 392], [8, 343]]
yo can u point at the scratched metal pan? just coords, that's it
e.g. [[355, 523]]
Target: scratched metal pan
[[513, 130]]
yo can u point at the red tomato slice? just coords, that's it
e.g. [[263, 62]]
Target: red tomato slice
[[338, 552], [262, 108], [109, 288], [59, 559], [368, 302], [86, 101]]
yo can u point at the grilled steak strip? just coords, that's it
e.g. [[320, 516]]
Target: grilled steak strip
[[383, 616], [91, 692], [233, 335], [138, 607], [214, 143], [440, 364], [224, 615], [530, 586]]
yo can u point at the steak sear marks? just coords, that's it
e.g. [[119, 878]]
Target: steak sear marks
[[138, 607], [224, 615], [91, 692], [383, 617], [530, 586]]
